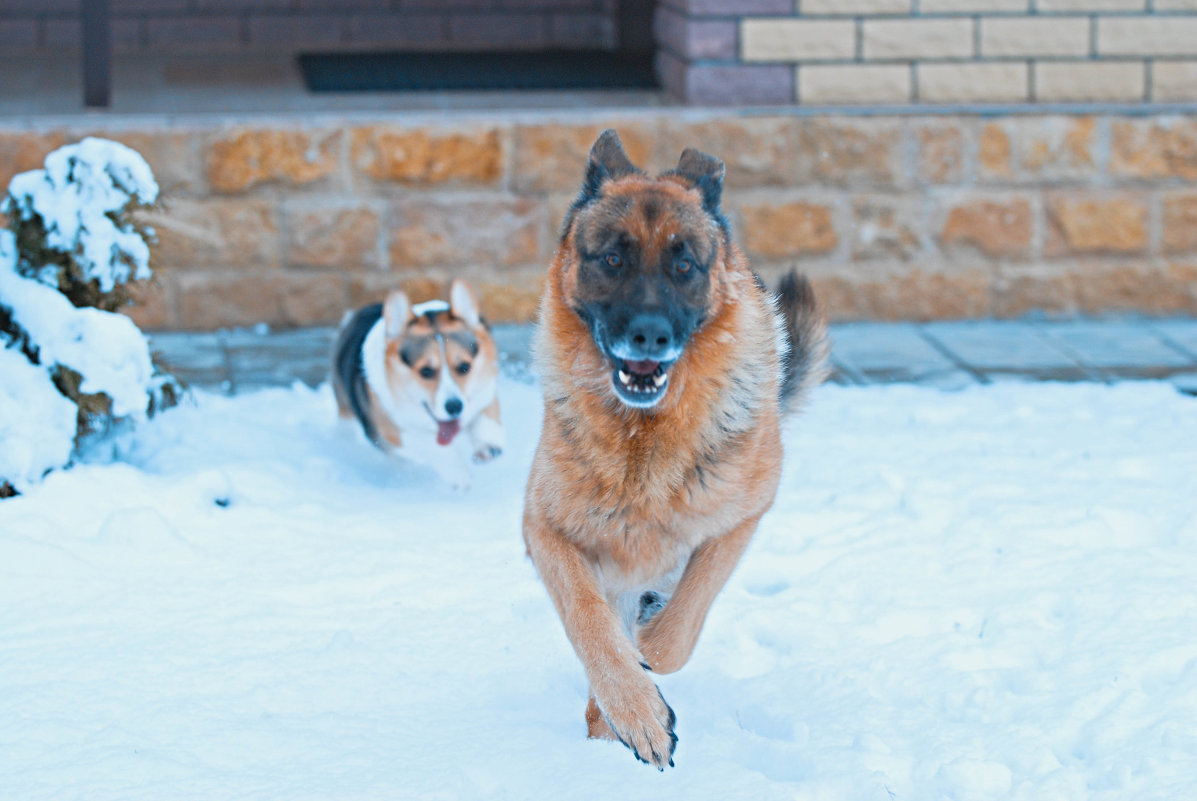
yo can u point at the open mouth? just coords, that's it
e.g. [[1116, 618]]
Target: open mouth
[[640, 383], [446, 430]]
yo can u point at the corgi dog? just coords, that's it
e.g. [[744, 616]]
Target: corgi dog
[[667, 366], [421, 380]]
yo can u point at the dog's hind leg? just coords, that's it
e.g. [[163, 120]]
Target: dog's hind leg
[[669, 637], [596, 727]]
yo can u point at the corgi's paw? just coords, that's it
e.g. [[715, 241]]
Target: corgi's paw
[[639, 718], [487, 438], [487, 452]]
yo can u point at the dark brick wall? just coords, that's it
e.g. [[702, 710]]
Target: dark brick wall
[[296, 25]]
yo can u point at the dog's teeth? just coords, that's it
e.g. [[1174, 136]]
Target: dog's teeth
[[624, 377], [659, 379]]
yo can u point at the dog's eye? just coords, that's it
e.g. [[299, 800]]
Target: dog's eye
[[427, 372], [463, 368], [613, 260], [684, 266]]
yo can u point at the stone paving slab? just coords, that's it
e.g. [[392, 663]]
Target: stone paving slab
[[1185, 382], [993, 349], [945, 355], [199, 359], [1179, 334], [258, 360], [1113, 344], [886, 352]]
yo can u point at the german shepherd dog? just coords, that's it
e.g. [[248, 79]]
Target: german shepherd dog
[[414, 377], [666, 366]]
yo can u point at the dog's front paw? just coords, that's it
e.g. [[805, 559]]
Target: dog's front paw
[[641, 720], [486, 453], [487, 438]]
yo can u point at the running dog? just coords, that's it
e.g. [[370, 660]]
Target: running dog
[[666, 367], [415, 376]]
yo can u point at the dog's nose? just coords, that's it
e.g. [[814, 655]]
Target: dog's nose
[[650, 336], [453, 406]]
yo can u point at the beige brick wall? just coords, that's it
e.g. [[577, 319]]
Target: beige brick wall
[[977, 51], [998, 82], [290, 221], [972, 6], [1147, 36], [916, 39], [853, 83], [865, 7], [1114, 81], [1173, 80], [794, 40], [1091, 5], [1034, 36]]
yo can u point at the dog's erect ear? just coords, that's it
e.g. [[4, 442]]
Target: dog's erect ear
[[462, 303], [607, 162], [396, 314], [706, 173]]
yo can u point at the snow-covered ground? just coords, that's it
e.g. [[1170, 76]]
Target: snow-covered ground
[[989, 593]]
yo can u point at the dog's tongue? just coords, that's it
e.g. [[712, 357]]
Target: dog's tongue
[[446, 431], [645, 367]]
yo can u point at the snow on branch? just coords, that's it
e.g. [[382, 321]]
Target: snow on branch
[[70, 367], [73, 220]]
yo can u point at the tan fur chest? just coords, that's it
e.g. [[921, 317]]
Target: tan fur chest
[[639, 505]]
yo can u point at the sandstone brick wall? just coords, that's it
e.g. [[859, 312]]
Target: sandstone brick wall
[[829, 52], [897, 217], [168, 26]]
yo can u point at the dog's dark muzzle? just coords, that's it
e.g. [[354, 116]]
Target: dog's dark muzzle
[[641, 349], [649, 337]]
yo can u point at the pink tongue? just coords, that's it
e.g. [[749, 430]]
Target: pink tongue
[[445, 432], [646, 367]]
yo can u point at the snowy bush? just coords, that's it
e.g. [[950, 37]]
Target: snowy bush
[[73, 221], [71, 368]]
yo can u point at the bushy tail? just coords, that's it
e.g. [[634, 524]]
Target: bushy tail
[[805, 363]]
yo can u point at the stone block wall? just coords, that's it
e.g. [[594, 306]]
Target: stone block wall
[[172, 26], [831, 52], [291, 222]]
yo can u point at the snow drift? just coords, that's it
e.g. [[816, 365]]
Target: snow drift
[[985, 594]]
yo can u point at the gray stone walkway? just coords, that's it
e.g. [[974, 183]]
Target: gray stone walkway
[[948, 355]]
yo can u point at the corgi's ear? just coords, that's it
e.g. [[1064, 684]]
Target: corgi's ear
[[396, 314], [462, 303]]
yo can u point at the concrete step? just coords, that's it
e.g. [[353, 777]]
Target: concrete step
[[948, 355]]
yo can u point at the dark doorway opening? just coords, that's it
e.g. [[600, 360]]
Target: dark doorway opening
[[629, 65], [545, 69]]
